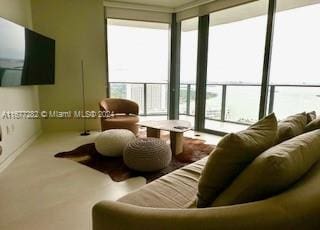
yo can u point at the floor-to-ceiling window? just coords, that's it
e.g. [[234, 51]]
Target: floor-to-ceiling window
[[295, 69], [235, 64], [138, 58], [138, 63], [188, 68]]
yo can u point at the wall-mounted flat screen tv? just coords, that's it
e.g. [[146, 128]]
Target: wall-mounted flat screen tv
[[26, 57]]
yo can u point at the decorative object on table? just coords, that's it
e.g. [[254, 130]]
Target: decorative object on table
[[175, 127], [147, 154], [113, 141], [193, 150], [124, 114], [85, 132]]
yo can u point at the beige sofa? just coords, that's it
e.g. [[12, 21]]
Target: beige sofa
[[168, 203]]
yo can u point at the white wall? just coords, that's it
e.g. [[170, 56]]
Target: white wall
[[20, 132], [78, 28]]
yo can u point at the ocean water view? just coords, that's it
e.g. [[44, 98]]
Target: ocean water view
[[241, 106], [242, 102]]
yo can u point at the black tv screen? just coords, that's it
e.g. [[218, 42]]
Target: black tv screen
[[26, 57]]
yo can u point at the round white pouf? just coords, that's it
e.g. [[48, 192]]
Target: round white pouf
[[147, 154], [112, 142]]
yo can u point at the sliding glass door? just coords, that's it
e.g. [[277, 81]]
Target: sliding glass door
[[235, 65], [236, 60], [188, 69], [138, 56], [295, 69]]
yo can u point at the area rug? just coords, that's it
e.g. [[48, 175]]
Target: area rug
[[193, 150]]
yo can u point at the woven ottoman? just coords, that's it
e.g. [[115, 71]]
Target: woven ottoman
[[147, 154], [112, 142]]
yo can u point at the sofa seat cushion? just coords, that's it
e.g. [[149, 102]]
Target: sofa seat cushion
[[175, 190], [274, 170]]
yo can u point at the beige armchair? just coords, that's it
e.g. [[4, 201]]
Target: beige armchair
[[125, 114]]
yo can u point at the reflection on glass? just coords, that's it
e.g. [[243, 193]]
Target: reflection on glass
[[245, 108], [292, 100], [132, 92], [213, 102], [157, 98], [193, 99], [183, 101]]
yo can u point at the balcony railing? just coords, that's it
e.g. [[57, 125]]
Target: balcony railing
[[236, 103]]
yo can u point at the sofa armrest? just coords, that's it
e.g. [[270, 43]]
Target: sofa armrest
[[118, 216]]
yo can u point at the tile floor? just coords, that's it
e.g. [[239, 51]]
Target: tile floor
[[40, 192]]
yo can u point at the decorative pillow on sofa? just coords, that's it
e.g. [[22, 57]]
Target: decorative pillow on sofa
[[313, 125], [311, 116], [232, 154], [291, 126], [274, 170]]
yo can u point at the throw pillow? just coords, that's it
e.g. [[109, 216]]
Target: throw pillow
[[313, 125], [231, 155], [274, 170], [311, 116], [291, 126]]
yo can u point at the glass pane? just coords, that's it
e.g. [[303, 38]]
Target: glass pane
[[295, 57], [189, 49], [292, 100], [296, 46], [132, 92], [236, 54], [213, 102], [138, 52], [192, 99], [235, 60], [242, 104], [183, 99], [188, 66], [157, 99]]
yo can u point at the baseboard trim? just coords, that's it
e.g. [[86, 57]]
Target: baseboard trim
[[6, 162]]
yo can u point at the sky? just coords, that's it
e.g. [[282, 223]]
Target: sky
[[236, 51]]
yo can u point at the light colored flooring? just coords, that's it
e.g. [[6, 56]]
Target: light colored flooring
[[40, 192]]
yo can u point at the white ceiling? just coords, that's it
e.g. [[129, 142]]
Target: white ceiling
[[157, 5], [162, 3]]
